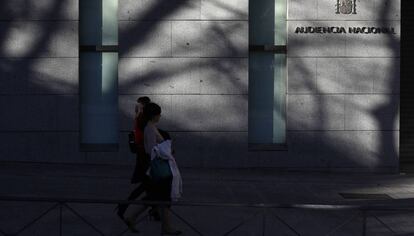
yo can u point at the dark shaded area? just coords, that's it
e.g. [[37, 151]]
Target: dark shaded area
[[140, 32], [91, 187], [109, 182], [407, 88], [385, 114], [387, 141]]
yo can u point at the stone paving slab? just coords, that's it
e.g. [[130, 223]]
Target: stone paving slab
[[244, 186]]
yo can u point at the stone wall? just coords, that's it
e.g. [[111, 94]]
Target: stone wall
[[343, 89], [191, 57], [39, 81]]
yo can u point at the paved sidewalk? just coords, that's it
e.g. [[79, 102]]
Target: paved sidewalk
[[244, 186]]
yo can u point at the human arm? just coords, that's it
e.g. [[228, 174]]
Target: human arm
[[151, 138]]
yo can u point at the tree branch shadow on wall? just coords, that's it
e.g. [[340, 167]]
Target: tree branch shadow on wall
[[193, 142], [381, 140], [388, 144], [203, 132]]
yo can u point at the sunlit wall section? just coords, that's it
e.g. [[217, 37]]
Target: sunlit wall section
[[343, 84], [39, 81], [190, 57]]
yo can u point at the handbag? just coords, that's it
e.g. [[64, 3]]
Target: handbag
[[131, 142], [160, 169]]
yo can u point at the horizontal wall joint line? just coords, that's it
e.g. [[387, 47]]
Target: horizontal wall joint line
[[341, 130], [195, 57], [198, 131], [39, 131], [51, 57], [340, 57], [183, 94], [321, 94], [345, 20], [183, 20], [37, 94], [38, 20]]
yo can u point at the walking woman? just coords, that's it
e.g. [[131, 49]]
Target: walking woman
[[159, 190], [142, 160]]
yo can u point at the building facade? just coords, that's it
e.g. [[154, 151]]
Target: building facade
[[303, 85]]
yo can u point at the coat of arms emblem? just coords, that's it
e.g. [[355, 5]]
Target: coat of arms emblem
[[345, 6]]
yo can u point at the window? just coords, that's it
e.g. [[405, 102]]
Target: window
[[267, 74], [98, 75]]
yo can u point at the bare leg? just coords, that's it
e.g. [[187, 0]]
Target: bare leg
[[137, 213], [134, 195], [130, 220], [166, 222]]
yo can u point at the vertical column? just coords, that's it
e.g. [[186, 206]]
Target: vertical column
[[267, 76], [98, 74], [279, 96]]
